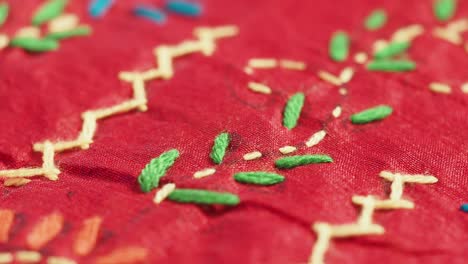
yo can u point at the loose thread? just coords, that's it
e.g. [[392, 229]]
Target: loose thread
[[44, 231], [295, 161], [156, 169], [220, 146], [292, 110], [86, 238]]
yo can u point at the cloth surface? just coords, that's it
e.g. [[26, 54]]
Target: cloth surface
[[43, 95]]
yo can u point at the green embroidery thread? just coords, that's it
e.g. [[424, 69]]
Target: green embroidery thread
[[372, 114], [34, 45], [391, 65], [48, 11], [220, 145], [4, 10], [292, 110], [203, 197], [339, 46], [392, 49], [444, 9], [376, 20], [259, 178], [156, 169], [294, 161], [78, 31]]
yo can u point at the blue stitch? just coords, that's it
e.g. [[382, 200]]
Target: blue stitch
[[464, 208], [184, 8], [150, 13], [98, 8]]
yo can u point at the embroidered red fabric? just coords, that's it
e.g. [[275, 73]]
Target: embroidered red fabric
[[43, 95]]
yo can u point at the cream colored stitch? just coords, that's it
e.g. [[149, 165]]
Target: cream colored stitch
[[4, 41], [460, 25], [252, 155], [330, 78], [440, 88], [343, 91], [379, 45], [164, 192], [408, 33], [287, 149], [164, 61], [323, 231], [293, 65], [337, 112], [259, 88], [386, 204], [16, 182], [6, 257], [316, 138], [408, 178], [464, 88], [50, 171], [360, 57], [346, 75], [262, 63], [363, 226], [28, 32], [28, 256], [206, 44], [248, 70], [60, 260], [204, 173], [450, 36], [63, 23], [396, 188], [88, 130]]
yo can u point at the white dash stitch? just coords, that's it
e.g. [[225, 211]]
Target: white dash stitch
[[316, 138], [259, 88], [252, 155], [440, 88], [287, 149], [204, 173], [346, 74], [464, 88], [337, 112], [164, 192]]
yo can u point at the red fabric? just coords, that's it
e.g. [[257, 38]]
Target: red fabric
[[43, 95]]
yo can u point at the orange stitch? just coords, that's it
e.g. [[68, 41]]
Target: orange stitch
[[124, 255], [44, 231], [6, 221], [86, 238]]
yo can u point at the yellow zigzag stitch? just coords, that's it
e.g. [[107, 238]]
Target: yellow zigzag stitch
[[364, 224], [205, 43]]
